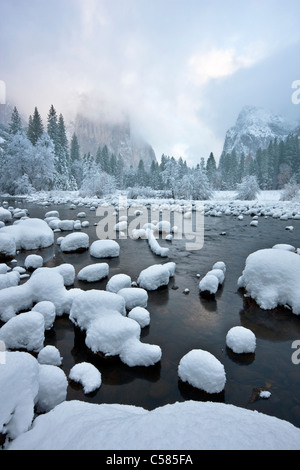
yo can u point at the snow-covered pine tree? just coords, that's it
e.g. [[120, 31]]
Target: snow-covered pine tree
[[15, 124], [35, 127]]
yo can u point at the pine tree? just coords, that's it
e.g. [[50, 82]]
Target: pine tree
[[105, 160], [35, 127], [52, 125], [74, 148], [211, 169], [15, 124]]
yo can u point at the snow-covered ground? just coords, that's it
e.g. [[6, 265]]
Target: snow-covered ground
[[112, 320]]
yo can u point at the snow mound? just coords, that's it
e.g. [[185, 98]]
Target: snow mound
[[44, 284], [284, 246], [33, 261], [134, 297], [135, 353], [30, 234], [7, 246], [105, 249], [52, 387], [47, 309], [202, 370], [9, 279], [18, 391], [118, 282], [89, 305], [5, 215], [171, 427], [86, 374], [141, 315], [93, 272], [241, 340], [212, 280], [75, 242], [272, 277], [25, 331], [49, 355], [156, 276], [155, 246]]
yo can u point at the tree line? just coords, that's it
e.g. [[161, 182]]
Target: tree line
[[37, 157]]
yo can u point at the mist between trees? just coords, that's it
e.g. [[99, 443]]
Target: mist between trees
[[35, 157]]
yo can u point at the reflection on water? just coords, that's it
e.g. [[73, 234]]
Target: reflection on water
[[181, 322]]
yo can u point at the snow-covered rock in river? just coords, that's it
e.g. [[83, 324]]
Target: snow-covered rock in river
[[155, 246], [141, 315], [52, 387], [212, 280], [30, 234], [105, 249], [49, 355], [9, 279], [156, 276], [24, 331], [202, 370], [5, 215], [7, 246], [33, 261], [272, 277], [86, 374], [75, 242], [18, 391], [118, 282], [284, 246], [134, 297], [94, 272], [47, 309], [241, 340], [219, 426]]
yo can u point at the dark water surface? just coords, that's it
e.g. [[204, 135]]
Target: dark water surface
[[181, 322]]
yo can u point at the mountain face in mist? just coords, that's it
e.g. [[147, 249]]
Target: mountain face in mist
[[118, 137], [254, 129]]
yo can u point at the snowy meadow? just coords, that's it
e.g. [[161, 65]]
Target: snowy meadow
[[143, 340]]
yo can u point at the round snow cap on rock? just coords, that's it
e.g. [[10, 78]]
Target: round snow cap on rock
[[75, 242], [105, 249], [241, 340], [202, 370]]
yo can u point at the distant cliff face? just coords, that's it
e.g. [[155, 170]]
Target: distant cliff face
[[254, 129], [118, 138]]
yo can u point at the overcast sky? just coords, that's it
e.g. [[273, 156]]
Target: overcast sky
[[182, 69]]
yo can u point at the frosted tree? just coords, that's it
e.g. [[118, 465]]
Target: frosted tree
[[16, 161], [170, 176], [35, 127], [42, 163], [201, 188], [248, 188], [15, 124]]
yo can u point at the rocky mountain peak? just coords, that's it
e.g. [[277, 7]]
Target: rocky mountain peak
[[255, 128]]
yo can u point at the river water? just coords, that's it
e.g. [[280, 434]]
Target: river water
[[183, 321]]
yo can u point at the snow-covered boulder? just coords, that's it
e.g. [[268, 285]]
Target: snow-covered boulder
[[272, 277], [155, 276], [209, 283], [94, 272], [118, 282], [30, 234], [52, 387], [75, 242], [5, 215], [155, 246], [241, 340], [202, 370], [105, 249], [87, 375], [91, 304], [284, 246], [135, 353], [49, 355], [44, 284], [18, 391], [141, 315], [24, 331], [7, 246], [33, 261], [9, 279], [220, 426], [47, 309], [109, 332], [134, 297], [66, 225]]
